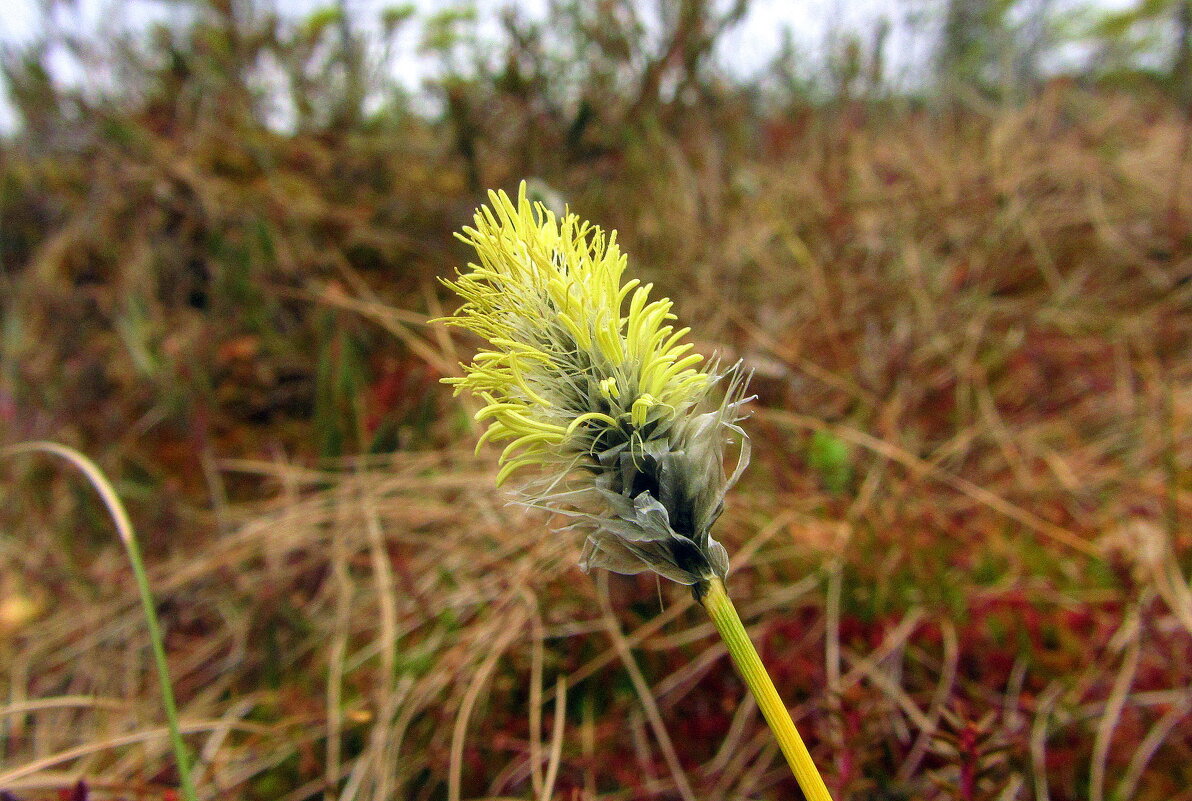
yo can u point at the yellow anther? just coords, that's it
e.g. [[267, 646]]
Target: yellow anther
[[641, 407]]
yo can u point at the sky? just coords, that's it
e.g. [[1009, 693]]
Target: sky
[[760, 31], [744, 50]]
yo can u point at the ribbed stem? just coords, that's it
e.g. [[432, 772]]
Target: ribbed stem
[[749, 665]]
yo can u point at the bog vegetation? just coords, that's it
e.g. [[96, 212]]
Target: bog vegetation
[[963, 544]]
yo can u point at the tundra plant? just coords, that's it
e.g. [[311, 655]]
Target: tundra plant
[[627, 432]]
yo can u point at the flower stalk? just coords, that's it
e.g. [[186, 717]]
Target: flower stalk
[[724, 616], [590, 383]]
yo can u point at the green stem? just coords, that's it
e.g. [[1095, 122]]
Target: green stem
[[181, 755], [128, 537], [749, 664]]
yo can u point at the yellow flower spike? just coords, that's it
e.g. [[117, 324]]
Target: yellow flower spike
[[569, 382], [581, 367]]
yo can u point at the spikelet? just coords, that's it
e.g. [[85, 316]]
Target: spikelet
[[586, 378]]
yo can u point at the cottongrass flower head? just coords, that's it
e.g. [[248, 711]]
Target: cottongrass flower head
[[589, 380], [586, 379]]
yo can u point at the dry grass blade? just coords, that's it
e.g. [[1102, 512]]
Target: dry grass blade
[[920, 466], [510, 630], [556, 740], [388, 697], [337, 651], [536, 700], [1151, 743], [10, 778], [644, 694], [943, 691], [1129, 638], [94, 475], [1039, 733]]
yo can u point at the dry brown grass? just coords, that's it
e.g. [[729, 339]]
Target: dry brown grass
[[994, 316]]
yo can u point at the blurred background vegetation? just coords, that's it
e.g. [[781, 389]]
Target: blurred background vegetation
[[963, 279]]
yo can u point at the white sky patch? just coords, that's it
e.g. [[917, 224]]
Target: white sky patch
[[814, 27]]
